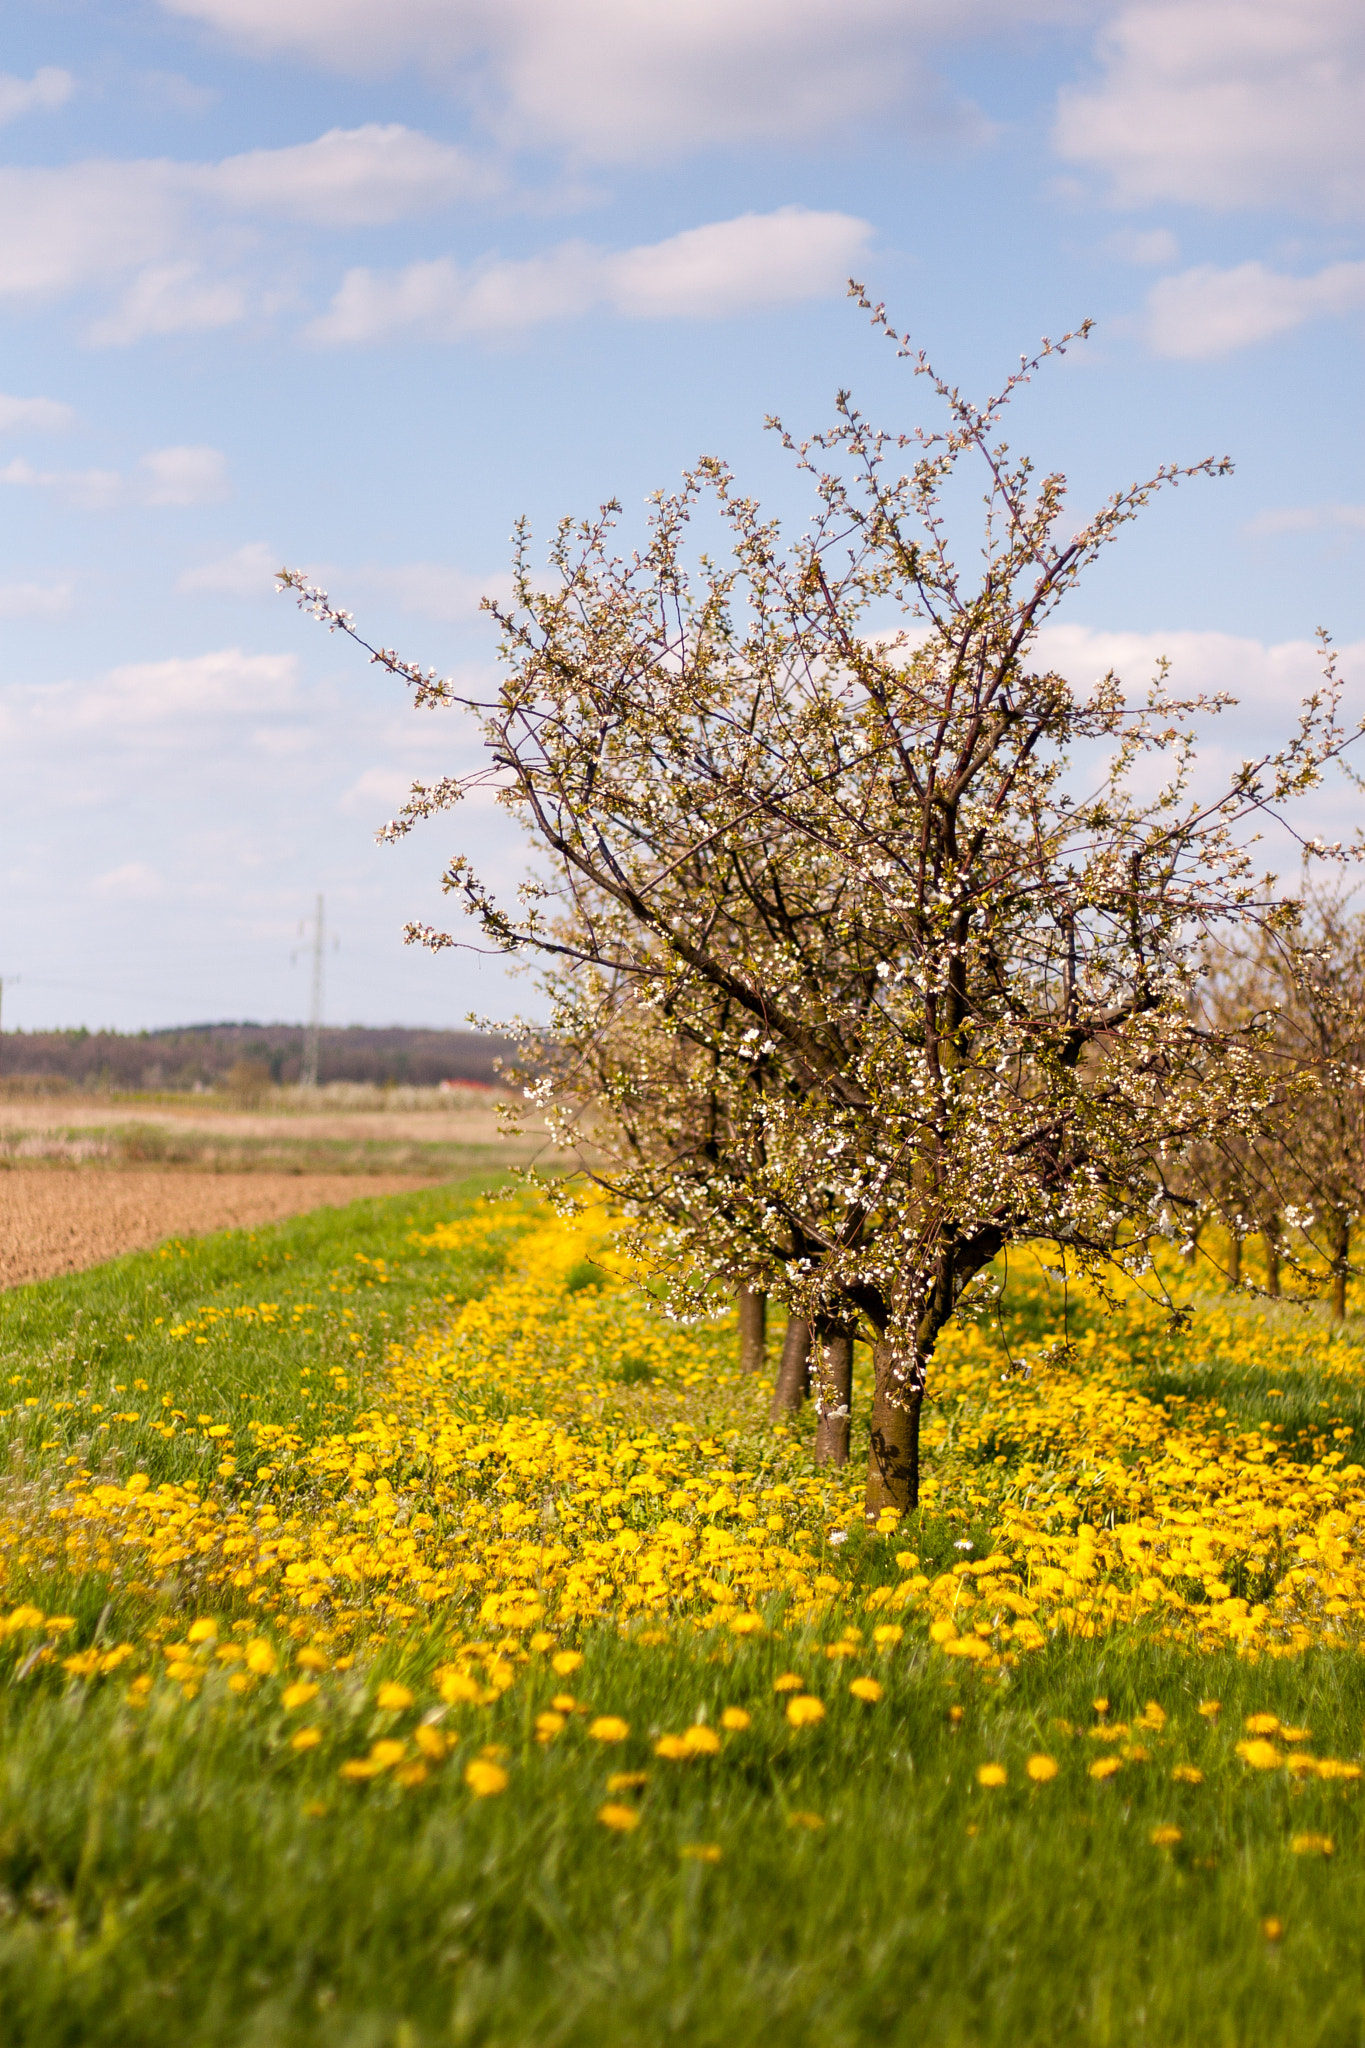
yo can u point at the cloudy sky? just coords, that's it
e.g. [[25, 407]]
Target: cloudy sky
[[353, 285]]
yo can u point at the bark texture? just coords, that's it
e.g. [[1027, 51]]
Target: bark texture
[[832, 1376], [893, 1455], [753, 1330], [793, 1374]]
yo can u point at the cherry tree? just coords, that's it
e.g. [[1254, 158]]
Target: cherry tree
[[874, 943]]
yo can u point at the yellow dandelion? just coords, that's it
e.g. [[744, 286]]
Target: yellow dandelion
[[1188, 1774], [306, 1738], [735, 1719], [1210, 1709], [1042, 1769], [805, 1710], [1262, 1724], [608, 1728], [672, 1747], [621, 1818], [700, 1852], [627, 1781], [788, 1682], [549, 1725], [393, 1698], [865, 1689], [431, 1742], [702, 1741], [298, 1695], [384, 1754], [1106, 1766], [810, 1821], [261, 1658], [565, 1662], [1272, 1929], [991, 1775], [484, 1778], [888, 1635], [1262, 1756], [1165, 1837], [1312, 1845]]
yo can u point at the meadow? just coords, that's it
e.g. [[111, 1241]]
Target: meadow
[[409, 1637]]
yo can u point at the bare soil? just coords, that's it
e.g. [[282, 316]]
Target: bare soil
[[63, 1218]]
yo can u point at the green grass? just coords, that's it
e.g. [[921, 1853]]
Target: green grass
[[177, 1873]]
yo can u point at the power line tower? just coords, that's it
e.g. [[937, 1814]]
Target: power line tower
[[308, 1078]]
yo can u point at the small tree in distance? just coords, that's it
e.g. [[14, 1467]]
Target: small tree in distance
[[888, 957]]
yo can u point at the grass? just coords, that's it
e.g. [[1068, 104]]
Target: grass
[[180, 1871]]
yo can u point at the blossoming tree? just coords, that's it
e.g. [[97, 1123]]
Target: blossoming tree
[[874, 942]]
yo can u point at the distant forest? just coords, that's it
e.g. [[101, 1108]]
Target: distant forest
[[202, 1055]]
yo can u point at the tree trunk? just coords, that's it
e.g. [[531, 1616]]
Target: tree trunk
[[1235, 1261], [753, 1330], [1192, 1252], [832, 1378], [1339, 1254], [893, 1458], [793, 1374], [1272, 1261]]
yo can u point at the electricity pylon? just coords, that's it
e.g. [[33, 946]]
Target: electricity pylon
[[308, 1078]]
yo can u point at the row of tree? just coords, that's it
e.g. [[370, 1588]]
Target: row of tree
[[874, 944]]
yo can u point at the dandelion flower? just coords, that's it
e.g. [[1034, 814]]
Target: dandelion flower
[[1262, 1724], [627, 1781], [735, 1719], [1262, 1756], [393, 1698], [431, 1742], [385, 1754], [1165, 1837], [484, 1778], [1105, 1766], [1042, 1769], [549, 1725], [804, 1820], [1210, 1709], [672, 1747], [888, 1635], [261, 1658], [788, 1682], [564, 1662], [865, 1689], [805, 1710], [306, 1738], [1271, 1928], [1312, 1845], [701, 1852], [608, 1728], [991, 1775], [1188, 1774], [621, 1818], [701, 1741], [298, 1695]]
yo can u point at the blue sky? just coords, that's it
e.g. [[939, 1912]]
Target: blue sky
[[353, 285]]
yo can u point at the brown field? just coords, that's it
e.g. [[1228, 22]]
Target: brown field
[[70, 1216]]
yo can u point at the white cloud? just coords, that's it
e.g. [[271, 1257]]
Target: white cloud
[[247, 572], [1306, 519], [1273, 678], [1226, 103], [44, 415], [134, 882], [180, 693], [1208, 312], [619, 81], [170, 298], [64, 229], [182, 476], [47, 90], [727, 267], [1144, 246], [168, 476], [34, 600]]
